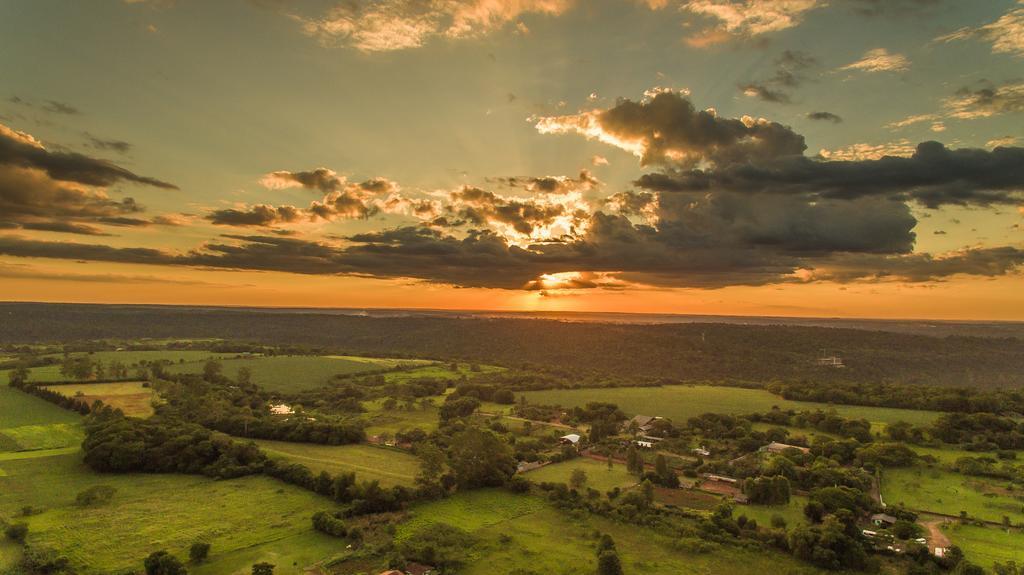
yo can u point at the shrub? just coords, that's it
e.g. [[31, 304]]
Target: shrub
[[198, 552], [325, 522], [95, 495], [17, 532]]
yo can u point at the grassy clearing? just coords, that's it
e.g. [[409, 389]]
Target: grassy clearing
[[440, 371], [987, 545], [128, 358], [681, 402], [33, 437], [292, 373], [940, 491], [247, 520], [792, 512], [130, 397], [519, 532], [947, 455], [379, 420], [368, 462], [599, 477], [18, 408]]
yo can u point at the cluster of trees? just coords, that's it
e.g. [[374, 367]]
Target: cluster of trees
[[330, 523], [363, 497], [118, 444], [959, 399], [979, 431], [827, 421], [767, 490], [71, 403], [485, 392], [239, 408]]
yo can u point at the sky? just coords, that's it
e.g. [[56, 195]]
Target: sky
[[840, 158]]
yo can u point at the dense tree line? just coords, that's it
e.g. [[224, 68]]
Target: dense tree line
[[55, 397], [114, 443], [920, 396], [677, 352]]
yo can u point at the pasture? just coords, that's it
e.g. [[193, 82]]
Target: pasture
[[987, 545], [388, 465], [131, 359], [939, 491], [246, 520], [30, 423], [792, 512], [380, 420], [681, 402], [599, 477], [293, 373], [520, 533], [131, 397]]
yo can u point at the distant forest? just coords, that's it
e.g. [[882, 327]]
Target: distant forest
[[723, 353]]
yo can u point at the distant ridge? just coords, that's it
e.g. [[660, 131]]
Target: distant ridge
[[933, 327]]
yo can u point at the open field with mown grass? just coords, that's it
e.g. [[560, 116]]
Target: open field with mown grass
[[131, 397], [31, 423], [380, 420], [681, 402], [792, 512], [521, 532], [388, 465], [599, 477], [18, 408], [246, 520], [948, 454], [932, 489], [128, 358], [295, 373], [987, 545]]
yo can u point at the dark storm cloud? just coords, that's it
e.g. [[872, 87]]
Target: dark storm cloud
[[59, 191], [64, 227], [321, 179], [480, 207], [550, 184], [933, 176], [984, 262], [765, 93], [672, 132], [824, 117], [16, 151], [258, 215]]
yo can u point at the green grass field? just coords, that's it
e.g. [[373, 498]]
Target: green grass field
[[18, 408], [947, 455], [520, 532], [293, 373], [793, 512], [128, 358], [130, 397], [368, 462], [987, 545], [599, 477], [933, 489], [379, 420], [247, 520], [681, 402], [30, 423]]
